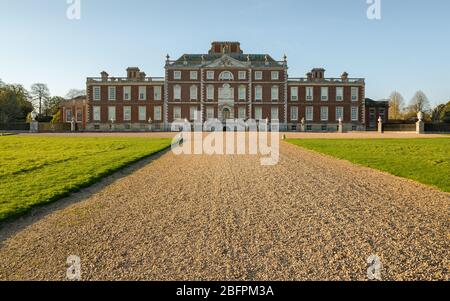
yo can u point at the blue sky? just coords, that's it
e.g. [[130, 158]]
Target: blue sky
[[407, 50]]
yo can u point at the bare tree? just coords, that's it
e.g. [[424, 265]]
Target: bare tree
[[396, 104], [419, 103], [40, 93], [73, 93]]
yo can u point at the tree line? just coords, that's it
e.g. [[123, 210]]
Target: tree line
[[399, 110], [17, 103]]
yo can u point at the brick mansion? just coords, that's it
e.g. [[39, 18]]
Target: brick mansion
[[224, 84]]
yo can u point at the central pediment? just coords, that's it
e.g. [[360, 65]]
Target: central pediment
[[227, 61]]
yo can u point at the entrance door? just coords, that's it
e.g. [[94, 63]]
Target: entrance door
[[226, 114]]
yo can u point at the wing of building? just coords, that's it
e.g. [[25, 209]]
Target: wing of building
[[225, 83]]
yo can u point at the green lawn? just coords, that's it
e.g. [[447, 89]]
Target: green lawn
[[423, 160], [36, 171]]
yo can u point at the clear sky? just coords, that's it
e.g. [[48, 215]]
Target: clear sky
[[407, 50]]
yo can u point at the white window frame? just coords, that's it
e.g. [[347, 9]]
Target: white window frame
[[177, 113], [142, 113], [177, 75], [96, 113], [258, 75], [339, 93], [127, 117], [309, 93], [258, 93], [71, 115], [157, 92], [192, 113], [258, 113], [127, 93], [226, 75], [294, 93], [210, 92], [275, 75], [210, 75], [157, 113], [355, 94], [112, 109], [97, 93], [294, 113], [274, 113], [193, 75], [210, 112], [309, 113], [193, 92], [324, 114], [355, 113], [242, 75], [177, 92], [339, 113], [112, 95], [242, 92], [76, 115], [142, 93], [324, 93], [242, 112], [275, 93]]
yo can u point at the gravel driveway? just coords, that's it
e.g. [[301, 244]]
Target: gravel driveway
[[310, 217]]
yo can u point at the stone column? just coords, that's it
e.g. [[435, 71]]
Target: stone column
[[380, 125], [420, 125], [341, 126]]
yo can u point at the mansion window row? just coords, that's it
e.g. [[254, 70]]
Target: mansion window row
[[210, 92], [112, 113], [227, 75], [127, 93], [324, 94]]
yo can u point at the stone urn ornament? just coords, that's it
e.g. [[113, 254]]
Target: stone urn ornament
[[420, 116]]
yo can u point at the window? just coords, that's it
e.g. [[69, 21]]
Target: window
[[258, 113], [68, 115], [210, 113], [111, 93], [294, 93], [96, 113], [309, 113], [126, 113], [294, 113], [275, 93], [258, 75], [274, 113], [157, 92], [275, 75], [308, 128], [258, 93], [355, 92], [309, 93], [241, 113], [97, 93], [177, 113], [126, 93], [226, 75], [177, 92], [324, 93], [339, 113], [324, 113], [157, 115], [142, 93], [194, 92], [193, 75], [242, 93], [210, 75], [339, 94], [193, 113], [79, 115], [242, 75], [177, 75], [355, 113], [142, 113], [112, 114], [210, 92]]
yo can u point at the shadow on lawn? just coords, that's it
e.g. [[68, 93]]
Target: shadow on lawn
[[10, 227]]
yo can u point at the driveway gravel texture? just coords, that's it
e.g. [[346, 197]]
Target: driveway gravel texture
[[199, 217]]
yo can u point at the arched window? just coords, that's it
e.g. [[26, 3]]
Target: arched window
[[193, 92], [226, 75]]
